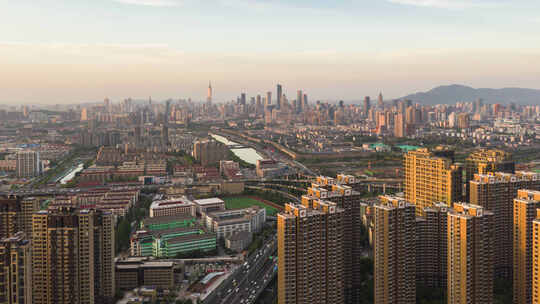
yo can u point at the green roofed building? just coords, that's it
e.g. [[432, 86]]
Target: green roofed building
[[407, 148], [167, 222], [170, 235]]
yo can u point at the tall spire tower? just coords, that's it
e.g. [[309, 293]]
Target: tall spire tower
[[209, 97], [380, 102]]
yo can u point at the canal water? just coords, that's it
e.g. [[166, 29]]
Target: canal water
[[249, 155], [71, 174]]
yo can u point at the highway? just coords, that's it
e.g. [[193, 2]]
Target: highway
[[248, 280]]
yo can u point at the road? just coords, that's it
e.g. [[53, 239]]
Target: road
[[248, 280]]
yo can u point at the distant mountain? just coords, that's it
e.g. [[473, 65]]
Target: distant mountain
[[451, 94]]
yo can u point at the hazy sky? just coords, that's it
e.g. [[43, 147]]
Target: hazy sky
[[54, 51]]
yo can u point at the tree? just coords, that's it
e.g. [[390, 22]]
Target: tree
[[122, 235]]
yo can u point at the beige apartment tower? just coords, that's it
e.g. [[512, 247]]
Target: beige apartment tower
[[496, 192], [310, 254], [394, 250], [526, 205], [350, 201], [484, 161], [431, 246], [536, 259], [431, 176], [73, 256], [470, 255], [16, 215], [9, 211], [29, 205], [15, 270]]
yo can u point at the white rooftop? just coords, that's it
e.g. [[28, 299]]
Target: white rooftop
[[208, 201]]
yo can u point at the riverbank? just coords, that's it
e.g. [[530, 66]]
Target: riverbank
[[248, 155]]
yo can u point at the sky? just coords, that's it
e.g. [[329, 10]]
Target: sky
[[73, 51]]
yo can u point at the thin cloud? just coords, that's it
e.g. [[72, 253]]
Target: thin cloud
[[449, 4], [158, 3]]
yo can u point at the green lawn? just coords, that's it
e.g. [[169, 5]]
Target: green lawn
[[245, 202]]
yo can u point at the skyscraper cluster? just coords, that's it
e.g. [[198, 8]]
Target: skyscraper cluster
[[51, 256], [462, 247], [433, 237], [310, 255], [323, 230]]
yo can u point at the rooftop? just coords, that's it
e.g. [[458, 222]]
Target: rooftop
[[157, 264], [171, 203], [208, 201], [191, 237], [165, 219]]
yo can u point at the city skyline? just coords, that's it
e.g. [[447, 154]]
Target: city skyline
[[270, 151], [73, 52]]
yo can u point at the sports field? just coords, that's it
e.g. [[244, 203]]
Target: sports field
[[245, 202]]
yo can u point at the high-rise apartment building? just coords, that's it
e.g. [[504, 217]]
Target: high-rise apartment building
[[496, 192], [463, 121], [310, 254], [367, 104], [16, 215], [15, 270], [9, 209], [243, 99], [431, 176], [394, 250], [431, 246], [350, 201], [484, 161], [73, 256], [470, 254], [28, 164], [536, 259], [399, 125], [299, 101], [29, 205], [209, 151], [279, 96], [268, 98], [84, 114], [526, 206]]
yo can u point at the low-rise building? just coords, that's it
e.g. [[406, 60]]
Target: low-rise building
[[209, 205], [168, 236], [228, 222], [269, 167], [238, 241], [134, 272], [170, 207]]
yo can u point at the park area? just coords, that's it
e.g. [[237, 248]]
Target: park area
[[245, 202]]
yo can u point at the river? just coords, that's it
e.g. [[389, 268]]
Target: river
[[71, 174], [249, 155]]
